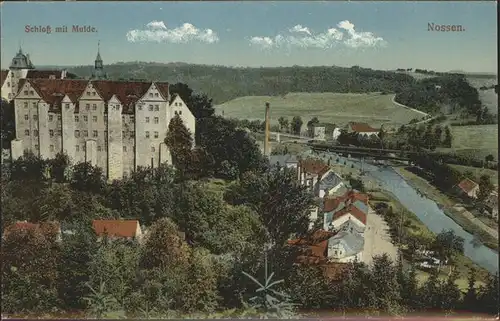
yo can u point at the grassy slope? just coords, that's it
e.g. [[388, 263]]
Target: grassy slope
[[478, 172], [374, 108], [478, 141]]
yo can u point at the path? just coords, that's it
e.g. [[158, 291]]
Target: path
[[401, 105], [476, 221], [377, 239]]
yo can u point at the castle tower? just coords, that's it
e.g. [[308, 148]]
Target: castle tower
[[98, 72]]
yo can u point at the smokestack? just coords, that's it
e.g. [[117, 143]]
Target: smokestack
[[266, 132]]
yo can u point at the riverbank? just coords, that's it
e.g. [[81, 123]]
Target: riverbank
[[470, 224], [413, 226]]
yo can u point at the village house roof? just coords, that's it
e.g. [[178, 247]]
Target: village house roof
[[362, 128], [314, 166], [467, 185], [128, 93], [25, 226], [313, 247], [353, 243], [352, 226], [353, 210], [3, 76], [332, 203], [330, 181], [116, 228]]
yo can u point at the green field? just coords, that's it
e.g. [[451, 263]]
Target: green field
[[373, 108], [477, 172], [477, 141]]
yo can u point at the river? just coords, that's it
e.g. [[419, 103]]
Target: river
[[425, 209]]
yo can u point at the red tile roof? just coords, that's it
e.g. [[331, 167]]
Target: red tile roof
[[467, 185], [313, 246], [53, 91], [314, 166], [362, 128], [116, 228], [331, 203], [354, 211], [24, 225], [3, 76], [46, 74]]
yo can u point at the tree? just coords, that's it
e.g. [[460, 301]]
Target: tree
[[490, 158], [470, 299], [282, 121], [296, 125], [450, 293], [180, 142], [438, 133], [485, 187], [59, 166], [430, 293], [29, 168], [8, 123], [384, 282], [281, 202], [489, 296], [448, 138], [87, 178], [447, 245]]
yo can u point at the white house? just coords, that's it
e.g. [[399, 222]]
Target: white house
[[346, 247], [336, 133], [330, 183], [319, 132]]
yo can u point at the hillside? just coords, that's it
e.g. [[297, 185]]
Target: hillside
[[373, 108], [226, 83]]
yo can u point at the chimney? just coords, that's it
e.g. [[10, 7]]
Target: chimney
[[266, 132]]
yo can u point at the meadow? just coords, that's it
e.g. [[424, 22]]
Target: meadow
[[373, 108], [476, 141]]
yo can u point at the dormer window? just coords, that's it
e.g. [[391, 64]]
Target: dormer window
[[93, 93], [157, 107], [157, 95], [32, 92], [88, 93], [150, 94], [25, 92], [8, 84], [66, 105]]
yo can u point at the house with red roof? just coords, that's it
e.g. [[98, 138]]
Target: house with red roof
[[311, 172], [118, 229], [363, 129], [468, 187], [46, 228]]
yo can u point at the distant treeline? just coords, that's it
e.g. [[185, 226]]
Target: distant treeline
[[226, 83], [450, 92]]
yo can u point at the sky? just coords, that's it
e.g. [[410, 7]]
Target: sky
[[378, 35]]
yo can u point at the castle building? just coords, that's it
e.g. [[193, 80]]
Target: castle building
[[22, 68], [115, 125]]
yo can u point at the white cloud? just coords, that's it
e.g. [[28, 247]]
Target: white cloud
[[157, 31], [300, 36]]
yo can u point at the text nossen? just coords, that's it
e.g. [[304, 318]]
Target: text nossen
[[445, 28]]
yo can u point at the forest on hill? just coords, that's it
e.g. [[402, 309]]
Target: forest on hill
[[225, 83]]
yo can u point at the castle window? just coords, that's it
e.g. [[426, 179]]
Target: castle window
[[35, 117], [87, 106], [32, 93], [8, 84], [180, 112], [105, 134], [59, 117], [150, 94], [94, 119], [156, 134], [139, 107], [124, 148], [84, 147], [132, 119], [51, 133], [93, 93], [77, 133], [88, 93], [99, 148], [85, 118], [25, 104], [147, 119], [77, 119], [157, 107], [147, 134], [336, 252], [157, 120], [35, 132], [66, 105], [51, 117], [77, 148], [132, 134], [175, 112], [94, 106], [51, 148], [26, 117], [157, 95], [26, 132], [85, 133], [124, 134], [150, 107], [152, 149], [94, 133], [37, 147], [25, 92]]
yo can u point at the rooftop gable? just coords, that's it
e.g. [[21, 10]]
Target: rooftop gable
[[362, 127], [116, 228], [467, 185]]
